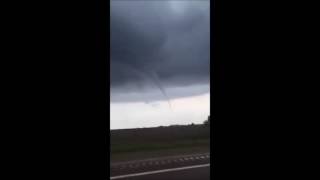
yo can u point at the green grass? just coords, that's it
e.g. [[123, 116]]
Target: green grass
[[155, 146], [138, 155], [156, 142]]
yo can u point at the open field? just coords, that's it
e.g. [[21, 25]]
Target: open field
[[131, 144]]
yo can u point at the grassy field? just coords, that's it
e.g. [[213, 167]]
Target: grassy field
[[161, 141]]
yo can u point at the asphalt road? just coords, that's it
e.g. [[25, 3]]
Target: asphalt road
[[188, 167]]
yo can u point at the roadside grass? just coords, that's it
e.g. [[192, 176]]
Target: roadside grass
[[138, 155], [156, 146], [147, 143]]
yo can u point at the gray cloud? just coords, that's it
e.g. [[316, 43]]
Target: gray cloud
[[164, 41], [147, 95]]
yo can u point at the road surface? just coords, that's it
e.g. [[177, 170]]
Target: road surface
[[188, 167]]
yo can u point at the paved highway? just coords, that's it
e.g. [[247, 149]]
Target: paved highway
[[188, 167]]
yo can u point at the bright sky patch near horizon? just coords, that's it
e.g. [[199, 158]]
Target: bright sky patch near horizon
[[184, 111]]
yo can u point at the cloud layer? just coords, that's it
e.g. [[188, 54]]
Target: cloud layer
[[159, 44]]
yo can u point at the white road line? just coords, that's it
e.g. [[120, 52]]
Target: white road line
[[159, 171]]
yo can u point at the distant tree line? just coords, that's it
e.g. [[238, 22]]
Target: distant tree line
[[207, 122]]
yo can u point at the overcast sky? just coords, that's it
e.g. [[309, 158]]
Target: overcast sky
[[160, 62]]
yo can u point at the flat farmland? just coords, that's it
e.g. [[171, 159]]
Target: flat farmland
[[132, 144]]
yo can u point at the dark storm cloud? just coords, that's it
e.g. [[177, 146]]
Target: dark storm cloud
[[158, 43]]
